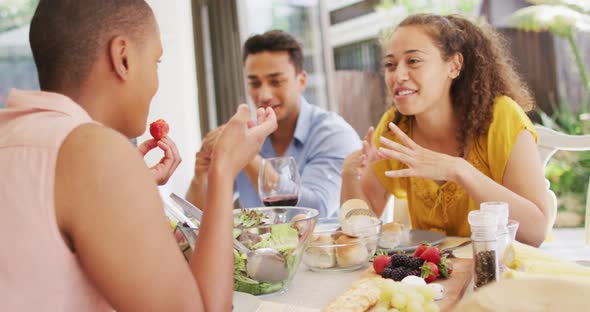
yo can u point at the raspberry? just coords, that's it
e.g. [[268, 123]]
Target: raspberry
[[398, 260], [414, 262]]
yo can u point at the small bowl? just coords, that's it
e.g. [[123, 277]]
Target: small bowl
[[330, 249], [293, 227]]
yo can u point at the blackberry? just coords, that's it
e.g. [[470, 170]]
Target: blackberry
[[414, 262], [398, 274], [386, 272], [398, 260], [415, 272]]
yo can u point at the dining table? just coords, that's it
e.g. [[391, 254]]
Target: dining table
[[311, 291]]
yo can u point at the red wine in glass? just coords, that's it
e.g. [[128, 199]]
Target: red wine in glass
[[280, 200]]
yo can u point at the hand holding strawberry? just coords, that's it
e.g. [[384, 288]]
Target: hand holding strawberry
[[164, 169]]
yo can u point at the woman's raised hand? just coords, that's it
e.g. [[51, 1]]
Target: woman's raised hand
[[421, 162]]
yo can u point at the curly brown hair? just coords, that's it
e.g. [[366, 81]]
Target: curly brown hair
[[487, 71]]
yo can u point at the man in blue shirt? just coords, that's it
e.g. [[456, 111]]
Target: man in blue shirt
[[318, 140]]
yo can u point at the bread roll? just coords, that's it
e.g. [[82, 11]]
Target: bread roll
[[360, 226], [355, 253], [392, 235], [349, 205], [317, 256]]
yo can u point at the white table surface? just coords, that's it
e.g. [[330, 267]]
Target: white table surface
[[316, 289]]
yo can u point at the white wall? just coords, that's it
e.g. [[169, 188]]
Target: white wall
[[176, 100]]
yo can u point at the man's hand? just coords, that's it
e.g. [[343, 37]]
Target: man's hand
[[168, 164], [203, 156]]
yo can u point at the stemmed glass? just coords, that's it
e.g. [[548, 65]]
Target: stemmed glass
[[279, 182]]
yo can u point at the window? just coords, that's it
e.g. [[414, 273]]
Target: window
[[300, 18], [17, 68]]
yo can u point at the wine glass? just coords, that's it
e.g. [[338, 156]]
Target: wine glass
[[278, 181]]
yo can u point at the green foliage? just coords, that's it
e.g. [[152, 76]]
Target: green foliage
[[16, 13], [431, 6], [568, 172], [399, 9], [562, 18], [582, 6]]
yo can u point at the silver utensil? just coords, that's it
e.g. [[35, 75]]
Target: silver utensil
[[263, 264], [449, 251]]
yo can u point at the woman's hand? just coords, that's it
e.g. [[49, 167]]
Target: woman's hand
[[421, 162], [370, 152], [241, 139], [168, 164]]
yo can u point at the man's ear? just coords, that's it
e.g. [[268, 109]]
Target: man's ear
[[302, 80], [118, 55], [456, 65]]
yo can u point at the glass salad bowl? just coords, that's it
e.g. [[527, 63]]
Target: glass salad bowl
[[282, 231]]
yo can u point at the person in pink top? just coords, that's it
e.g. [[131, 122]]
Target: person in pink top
[[82, 226]]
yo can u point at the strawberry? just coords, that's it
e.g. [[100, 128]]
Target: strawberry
[[423, 246], [429, 272], [380, 262], [159, 129], [445, 267], [431, 254]]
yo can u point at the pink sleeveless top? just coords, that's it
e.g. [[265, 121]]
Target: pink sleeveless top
[[37, 270]]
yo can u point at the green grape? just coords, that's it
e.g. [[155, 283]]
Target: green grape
[[430, 307], [399, 301], [416, 297], [380, 309], [427, 292], [414, 306]]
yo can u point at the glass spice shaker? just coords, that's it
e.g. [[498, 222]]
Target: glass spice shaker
[[485, 247], [500, 209]]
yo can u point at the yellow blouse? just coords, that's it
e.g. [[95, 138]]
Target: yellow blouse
[[444, 208]]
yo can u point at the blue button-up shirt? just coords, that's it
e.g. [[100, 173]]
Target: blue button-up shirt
[[321, 142]]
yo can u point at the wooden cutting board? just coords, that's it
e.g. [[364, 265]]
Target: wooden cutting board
[[455, 286]]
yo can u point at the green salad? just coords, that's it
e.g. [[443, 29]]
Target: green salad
[[281, 237]]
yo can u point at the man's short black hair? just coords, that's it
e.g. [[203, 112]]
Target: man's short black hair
[[275, 41], [67, 36]]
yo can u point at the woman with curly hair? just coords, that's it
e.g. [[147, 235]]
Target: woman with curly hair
[[457, 134]]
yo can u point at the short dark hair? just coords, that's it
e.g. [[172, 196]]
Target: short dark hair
[[275, 41], [66, 36]]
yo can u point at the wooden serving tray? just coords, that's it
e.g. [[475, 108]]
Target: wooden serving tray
[[455, 286]]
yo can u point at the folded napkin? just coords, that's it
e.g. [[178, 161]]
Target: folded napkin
[[530, 295], [527, 260], [464, 251]]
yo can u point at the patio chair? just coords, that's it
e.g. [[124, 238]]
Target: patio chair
[[550, 141]]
